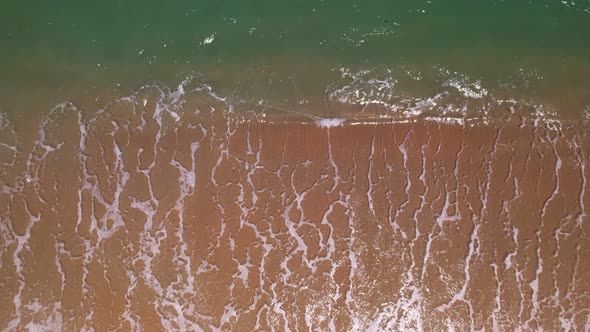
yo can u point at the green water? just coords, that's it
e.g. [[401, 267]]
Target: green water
[[290, 51]]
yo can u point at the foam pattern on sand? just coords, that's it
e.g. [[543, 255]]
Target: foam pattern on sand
[[167, 211]]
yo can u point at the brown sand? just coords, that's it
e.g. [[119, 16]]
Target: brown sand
[[131, 219]]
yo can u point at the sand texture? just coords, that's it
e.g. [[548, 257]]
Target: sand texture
[[138, 217]]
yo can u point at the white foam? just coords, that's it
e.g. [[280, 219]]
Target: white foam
[[329, 123], [208, 40], [473, 90]]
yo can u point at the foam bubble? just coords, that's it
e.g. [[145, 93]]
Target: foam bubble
[[208, 40], [329, 123]]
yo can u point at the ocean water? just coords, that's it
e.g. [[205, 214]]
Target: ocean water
[[304, 55], [199, 165]]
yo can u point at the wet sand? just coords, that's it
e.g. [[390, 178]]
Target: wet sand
[[140, 218]]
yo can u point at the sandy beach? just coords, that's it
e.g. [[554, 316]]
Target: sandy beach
[[139, 217]]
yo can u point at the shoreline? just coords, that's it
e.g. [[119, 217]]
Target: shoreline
[[322, 88]]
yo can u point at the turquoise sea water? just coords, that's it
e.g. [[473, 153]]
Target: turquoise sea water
[[310, 55]]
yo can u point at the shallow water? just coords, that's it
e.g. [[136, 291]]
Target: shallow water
[[293, 52]]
